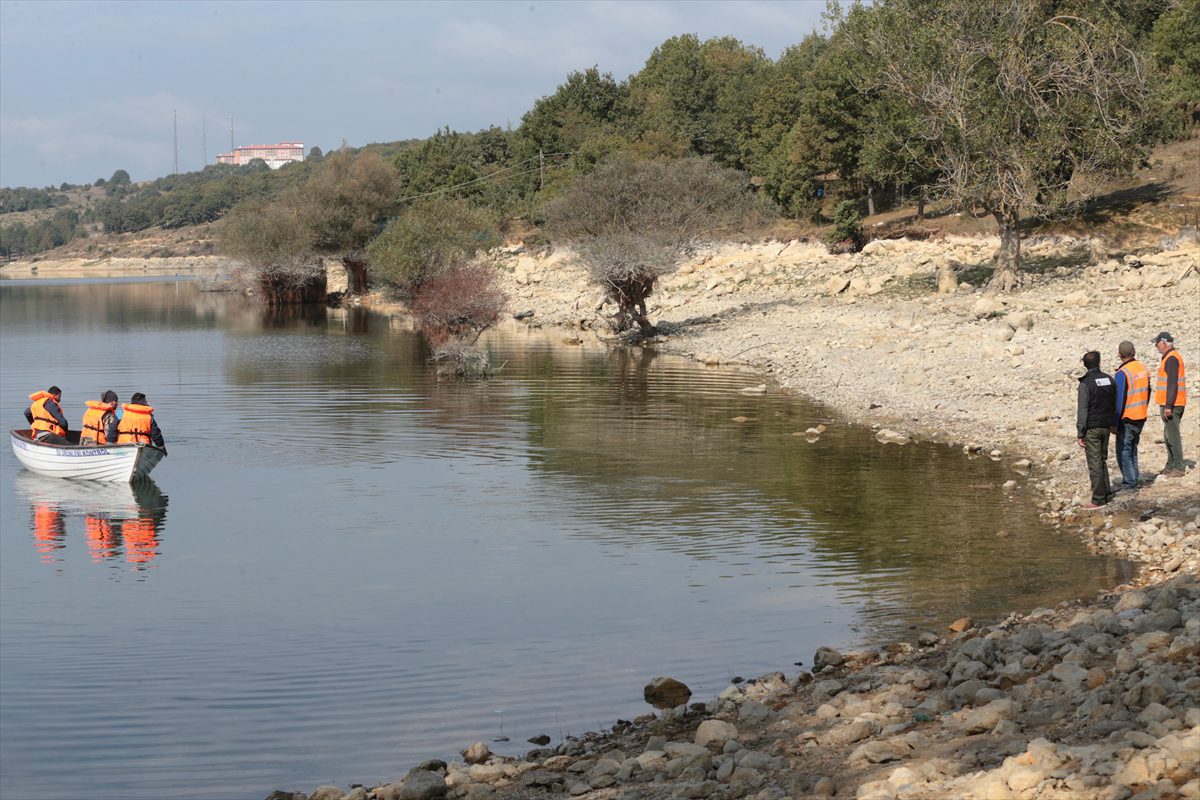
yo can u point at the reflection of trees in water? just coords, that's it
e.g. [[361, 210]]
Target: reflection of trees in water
[[879, 515], [294, 315], [647, 447], [174, 304], [117, 518]]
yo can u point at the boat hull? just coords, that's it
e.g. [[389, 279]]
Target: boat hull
[[107, 462]]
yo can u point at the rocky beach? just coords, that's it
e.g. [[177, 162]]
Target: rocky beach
[[1095, 698]]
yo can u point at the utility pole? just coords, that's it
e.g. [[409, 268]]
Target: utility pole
[[175, 125], [231, 134]]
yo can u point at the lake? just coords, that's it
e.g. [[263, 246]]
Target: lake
[[347, 566]]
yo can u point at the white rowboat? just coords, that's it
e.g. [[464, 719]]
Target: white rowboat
[[104, 462]]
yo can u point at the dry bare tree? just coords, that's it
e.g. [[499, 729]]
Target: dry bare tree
[[632, 221]]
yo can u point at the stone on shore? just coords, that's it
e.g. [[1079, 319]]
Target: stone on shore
[[477, 753], [663, 692]]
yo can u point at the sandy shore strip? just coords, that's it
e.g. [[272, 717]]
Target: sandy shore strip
[[205, 267]]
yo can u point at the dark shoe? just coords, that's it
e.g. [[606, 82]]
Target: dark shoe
[[1171, 473]]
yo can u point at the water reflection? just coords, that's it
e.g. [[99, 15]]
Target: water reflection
[[120, 520]]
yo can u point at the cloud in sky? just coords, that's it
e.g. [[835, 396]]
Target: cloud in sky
[[87, 88]]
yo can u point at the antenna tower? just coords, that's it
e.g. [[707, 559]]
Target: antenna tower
[[231, 148]]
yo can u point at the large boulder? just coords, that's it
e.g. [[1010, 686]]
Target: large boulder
[[666, 693]]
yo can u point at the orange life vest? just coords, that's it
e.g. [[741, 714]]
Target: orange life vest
[[1137, 390], [100, 539], [135, 424], [42, 420], [93, 420], [1160, 383], [141, 540]]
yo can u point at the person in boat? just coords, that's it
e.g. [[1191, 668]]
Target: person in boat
[[137, 425], [100, 420], [45, 416]]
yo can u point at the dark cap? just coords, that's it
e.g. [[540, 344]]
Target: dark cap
[[54, 390], [138, 398], [109, 397], [1163, 337], [1126, 348]]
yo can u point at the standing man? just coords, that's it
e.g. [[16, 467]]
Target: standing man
[[1133, 401], [1094, 418], [45, 416], [1170, 393]]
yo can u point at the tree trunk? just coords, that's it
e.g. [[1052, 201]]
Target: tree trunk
[[1008, 257], [356, 275], [630, 297], [921, 207], [870, 201]]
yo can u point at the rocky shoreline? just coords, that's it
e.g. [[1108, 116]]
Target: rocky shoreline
[[1095, 698]]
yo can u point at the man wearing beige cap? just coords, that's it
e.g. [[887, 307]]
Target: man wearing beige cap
[[1170, 394]]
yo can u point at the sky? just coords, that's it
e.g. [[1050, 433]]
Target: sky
[[87, 88]]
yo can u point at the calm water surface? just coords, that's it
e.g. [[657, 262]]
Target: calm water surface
[[346, 566]]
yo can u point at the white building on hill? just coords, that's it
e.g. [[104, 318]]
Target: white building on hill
[[276, 155]]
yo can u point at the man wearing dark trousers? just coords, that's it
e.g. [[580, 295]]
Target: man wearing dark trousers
[[1095, 417]]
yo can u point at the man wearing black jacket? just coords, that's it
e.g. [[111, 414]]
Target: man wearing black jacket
[[1095, 416]]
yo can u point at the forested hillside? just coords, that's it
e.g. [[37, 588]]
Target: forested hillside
[[1003, 109]]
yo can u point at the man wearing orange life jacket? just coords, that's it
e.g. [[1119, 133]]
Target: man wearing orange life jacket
[[1133, 403], [1170, 394], [137, 425], [45, 416], [100, 420]]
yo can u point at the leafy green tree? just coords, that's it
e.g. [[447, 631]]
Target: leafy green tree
[[428, 239], [847, 233], [826, 134], [587, 105], [345, 203], [894, 151], [314, 154], [1019, 102], [631, 221], [120, 178], [779, 100], [701, 95], [274, 241], [1175, 44]]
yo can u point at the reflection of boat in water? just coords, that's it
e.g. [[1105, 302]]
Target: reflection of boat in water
[[105, 462], [117, 517]]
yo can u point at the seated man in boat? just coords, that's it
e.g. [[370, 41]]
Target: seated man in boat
[[100, 420], [45, 416], [137, 425]]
